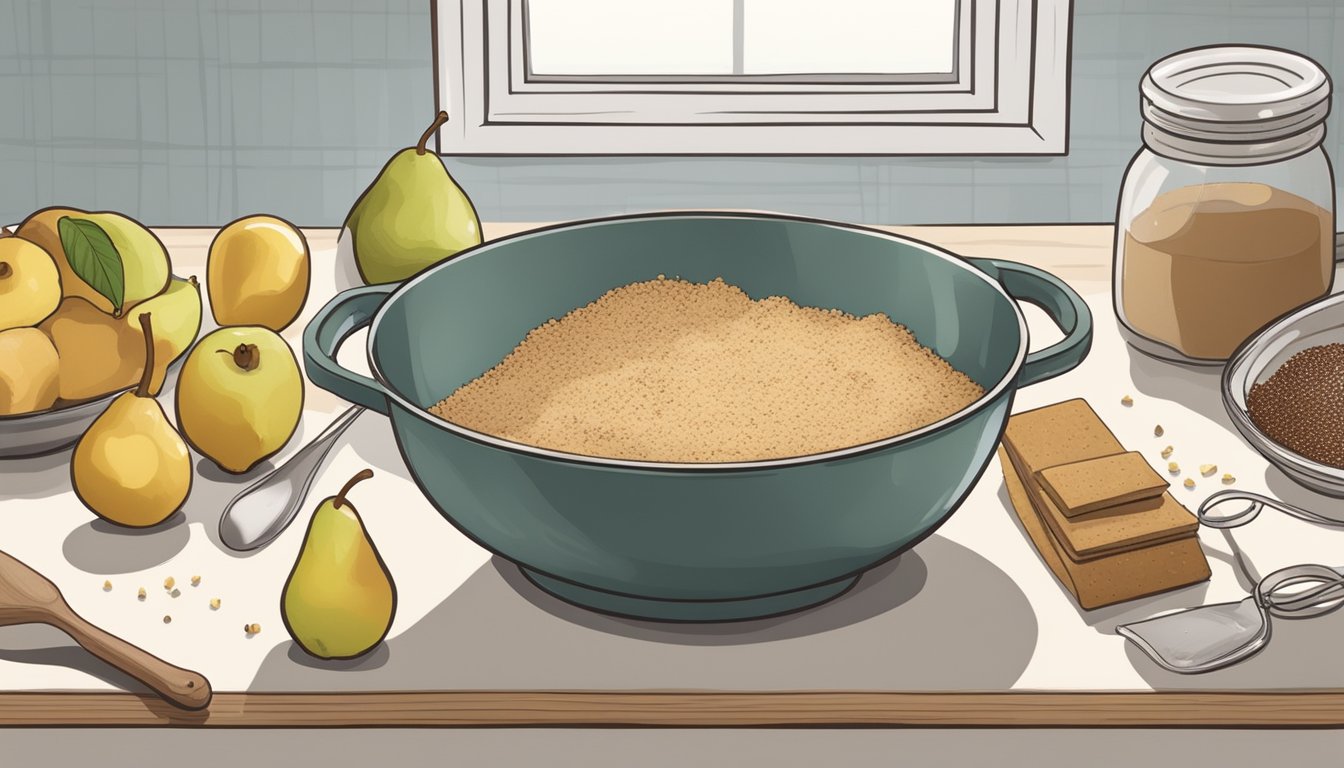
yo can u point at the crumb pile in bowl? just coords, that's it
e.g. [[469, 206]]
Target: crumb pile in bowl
[[675, 371]]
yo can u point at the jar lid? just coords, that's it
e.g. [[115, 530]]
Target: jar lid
[[1235, 93]]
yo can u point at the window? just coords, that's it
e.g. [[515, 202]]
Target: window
[[750, 77]]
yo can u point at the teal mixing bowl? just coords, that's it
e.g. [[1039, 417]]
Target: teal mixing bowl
[[693, 542]]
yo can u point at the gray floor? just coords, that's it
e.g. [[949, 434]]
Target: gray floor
[[595, 748]]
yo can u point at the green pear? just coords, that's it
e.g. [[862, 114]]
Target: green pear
[[339, 600], [411, 216]]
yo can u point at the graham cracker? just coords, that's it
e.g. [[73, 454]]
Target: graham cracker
[[1113, 578], [1072, 431], [1081, 487]]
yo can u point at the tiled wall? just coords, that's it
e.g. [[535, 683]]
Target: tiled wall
[[197, 111]]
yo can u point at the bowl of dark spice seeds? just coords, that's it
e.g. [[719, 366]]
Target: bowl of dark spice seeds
[[1284, 390]]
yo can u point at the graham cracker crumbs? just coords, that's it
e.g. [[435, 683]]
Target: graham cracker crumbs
[[1190, 483], [1127, 401], [1166, 452], [169, 582], [1158, 431], [251, 629], [1173, 468], [669, 370], [1207, 469], [107, 586], [195, 581], [214, 603], [141, 594], [1228, 479]]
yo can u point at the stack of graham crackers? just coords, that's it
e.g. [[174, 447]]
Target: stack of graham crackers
[[1102, 519]]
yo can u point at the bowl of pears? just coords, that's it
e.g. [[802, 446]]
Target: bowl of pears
[[73, 285]]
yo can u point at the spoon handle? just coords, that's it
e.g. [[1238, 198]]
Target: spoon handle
[[183, 687], [264, 509]]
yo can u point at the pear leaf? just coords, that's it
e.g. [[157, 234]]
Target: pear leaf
[[94, 258]]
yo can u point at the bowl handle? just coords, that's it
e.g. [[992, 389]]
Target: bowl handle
[[1060, 302], [342, 316]]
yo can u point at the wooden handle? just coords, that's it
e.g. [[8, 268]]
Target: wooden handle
[[186, 689]]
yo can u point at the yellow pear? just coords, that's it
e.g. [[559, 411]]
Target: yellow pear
[[239, 396], [105, 258], [131, 467], [98, 353], [29, 371], [258, 273], [30, 284], [339, 599]]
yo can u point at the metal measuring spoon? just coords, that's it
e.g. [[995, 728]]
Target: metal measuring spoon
[[262, 510], [1216, 636]]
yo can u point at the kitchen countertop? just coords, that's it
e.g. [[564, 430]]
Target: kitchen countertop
[[969, 628]]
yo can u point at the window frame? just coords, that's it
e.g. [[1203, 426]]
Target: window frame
[[1004, 97]]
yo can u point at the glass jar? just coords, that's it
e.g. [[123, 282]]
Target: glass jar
[[1226, 216]]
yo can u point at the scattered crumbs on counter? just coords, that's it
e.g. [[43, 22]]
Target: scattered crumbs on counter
[[107, 586], [251, 629], [169, 582], [195, 581], [1207, 469], [167, 619], [1166, 452], [141, 594], [1173, 468], [1158, 431], [175, 593], [1190, 483], [214, 603], [1228, 479], [1127, 401]]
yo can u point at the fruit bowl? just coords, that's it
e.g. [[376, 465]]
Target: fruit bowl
[[76, 274]]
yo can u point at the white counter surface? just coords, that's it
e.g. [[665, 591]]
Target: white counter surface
[[970, 609]]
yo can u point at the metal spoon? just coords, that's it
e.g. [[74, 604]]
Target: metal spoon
[[262, 510], [1216, 636]]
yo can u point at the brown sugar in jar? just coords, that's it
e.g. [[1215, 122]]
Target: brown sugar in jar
[[1226, 215], [1207, 266]]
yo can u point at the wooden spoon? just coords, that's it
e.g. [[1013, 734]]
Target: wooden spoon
[[26, 597]]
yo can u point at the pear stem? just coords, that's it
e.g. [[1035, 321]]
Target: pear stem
[[439, 120], [245, 356], [148, 374], [362, 475]]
